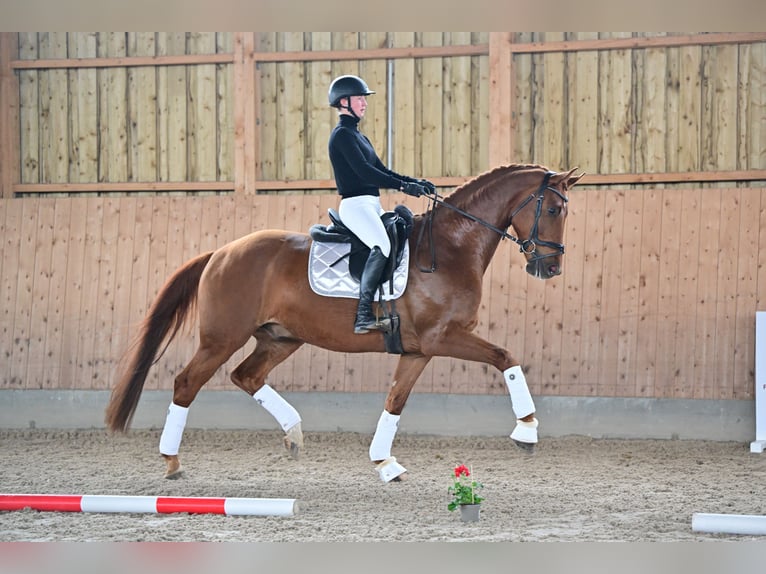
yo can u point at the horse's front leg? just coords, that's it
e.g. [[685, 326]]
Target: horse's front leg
[[407, 372], [470, 347]]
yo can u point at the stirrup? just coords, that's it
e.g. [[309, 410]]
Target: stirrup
[[382, 324]]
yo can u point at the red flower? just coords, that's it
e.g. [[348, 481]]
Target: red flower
[[462, 470]]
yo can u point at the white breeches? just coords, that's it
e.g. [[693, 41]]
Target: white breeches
[[362, 216]]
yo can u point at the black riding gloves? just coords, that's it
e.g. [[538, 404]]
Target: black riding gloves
[[414, 189], [430, 187]]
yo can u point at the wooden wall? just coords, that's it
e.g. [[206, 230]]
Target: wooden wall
[[657, 299], [154, 149]]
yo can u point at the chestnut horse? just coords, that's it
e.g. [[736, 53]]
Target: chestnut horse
[[257, 286]]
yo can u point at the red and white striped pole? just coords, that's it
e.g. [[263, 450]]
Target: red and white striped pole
[[151, 504]]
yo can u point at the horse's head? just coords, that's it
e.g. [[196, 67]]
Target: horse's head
[[539, 222]]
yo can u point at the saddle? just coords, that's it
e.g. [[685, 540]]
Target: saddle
[[398, 224], [337, 259]]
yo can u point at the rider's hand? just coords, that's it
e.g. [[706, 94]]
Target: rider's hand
[[430, 187], [412, 188]]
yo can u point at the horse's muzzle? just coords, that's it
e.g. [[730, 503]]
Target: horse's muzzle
[[543, 268]]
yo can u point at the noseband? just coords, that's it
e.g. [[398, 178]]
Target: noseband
[[527, 246]]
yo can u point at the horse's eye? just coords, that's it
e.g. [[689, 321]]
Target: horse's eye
[[553, 210]]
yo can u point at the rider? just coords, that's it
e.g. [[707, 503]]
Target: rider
[[359, 175]]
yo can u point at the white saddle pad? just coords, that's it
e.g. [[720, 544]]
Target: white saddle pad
[[330, 277]]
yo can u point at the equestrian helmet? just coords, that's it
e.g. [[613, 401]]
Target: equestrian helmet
[[345, 86]]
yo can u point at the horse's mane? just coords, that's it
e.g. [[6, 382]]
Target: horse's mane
[[473, 188]]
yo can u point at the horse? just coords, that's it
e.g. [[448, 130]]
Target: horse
[[257, 286]]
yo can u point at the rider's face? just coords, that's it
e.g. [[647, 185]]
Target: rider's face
[[358, 104]]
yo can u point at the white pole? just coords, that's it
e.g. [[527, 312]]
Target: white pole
[[729, 523], [759, 443]]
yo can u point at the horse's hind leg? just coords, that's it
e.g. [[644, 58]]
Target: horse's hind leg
[[188, 383], [250, 376]]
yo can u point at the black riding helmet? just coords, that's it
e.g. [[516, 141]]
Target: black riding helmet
[[346, 86]]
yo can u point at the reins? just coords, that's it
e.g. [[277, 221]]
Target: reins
[[527, 246]]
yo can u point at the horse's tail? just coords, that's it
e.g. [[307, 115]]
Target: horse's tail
[[170, 309]]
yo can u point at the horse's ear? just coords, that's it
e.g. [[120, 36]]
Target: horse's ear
[[571, 179]]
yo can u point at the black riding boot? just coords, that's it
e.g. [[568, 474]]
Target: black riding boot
[[373, 270]]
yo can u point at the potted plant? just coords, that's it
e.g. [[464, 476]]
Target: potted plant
[[464, 494]]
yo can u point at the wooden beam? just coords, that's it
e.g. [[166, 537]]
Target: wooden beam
[[10, 171], [637, 43], [246, 138], [501, 98], [374, 53], [301, 184], [126, 62]]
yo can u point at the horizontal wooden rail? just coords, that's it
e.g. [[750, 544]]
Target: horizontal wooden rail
[[300, 184], [639, 43], [124, 62]]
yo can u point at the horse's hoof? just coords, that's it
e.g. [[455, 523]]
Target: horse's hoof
[[391, 471], [527, 447], [174, 469], [294, 441]]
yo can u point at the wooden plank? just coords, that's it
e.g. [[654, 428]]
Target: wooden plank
[[123, 62], [76, 285], [291, 124], [247, 132], [113, 112], [321, 117], [201, 111], [29, 112], [523, 112], [224, 110], [648, 296], [172, 110], [722, 366], [633, 227], [651, 106], [129, 275], [743, 354], [403, 143], [615, 111], [705, 350], [612, 277], [686, 321], [54, 136], [457, 120], [752, 128], [57, 325], [107, 270], [572, 304], [12, 217], [266, 79], [23, 321], [554, 128], [684, 108], [507, 106], [83, 111], [375, 73], [719, 142], [668, 291], [590, 342], [9, 115], [142, 110], [583, 109], [480, 116]]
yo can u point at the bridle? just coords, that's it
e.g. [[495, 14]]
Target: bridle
[[527, 246]]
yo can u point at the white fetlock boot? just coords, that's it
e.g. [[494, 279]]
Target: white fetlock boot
[[390, 470]]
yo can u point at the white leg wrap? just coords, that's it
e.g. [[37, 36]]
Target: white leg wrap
[[521, 400], [389, 469], [380, 447], [525, 432], [175, 423], [279, 408]]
